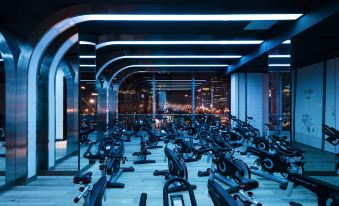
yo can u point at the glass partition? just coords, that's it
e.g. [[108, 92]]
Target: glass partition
[[279, 62]]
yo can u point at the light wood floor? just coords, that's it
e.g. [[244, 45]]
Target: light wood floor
[[55, 191]]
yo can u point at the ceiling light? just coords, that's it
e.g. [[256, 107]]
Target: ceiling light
[[287, 42], [180, 65], [87, 56], [190, 17], [217, 42], [87, 65], [279, 56], [279, 65], [86, 43], [179, 80], [1, 60], [183, 57]]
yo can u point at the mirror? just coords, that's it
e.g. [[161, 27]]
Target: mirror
[[66, 142], [2, 124]]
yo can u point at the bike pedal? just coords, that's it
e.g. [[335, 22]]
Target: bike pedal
[[203, 173], [250, 194], [135, 154]]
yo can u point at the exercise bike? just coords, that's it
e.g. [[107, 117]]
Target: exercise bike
[[232, 172], [143, 152], [86, 128], [106, 154], [327, 194], [176, 168], [178, 199], [269, 163], [333, 139]]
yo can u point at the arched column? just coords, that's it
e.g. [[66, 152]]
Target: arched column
[[15, 145]]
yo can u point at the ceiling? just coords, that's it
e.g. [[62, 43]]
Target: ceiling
[[22, 17]]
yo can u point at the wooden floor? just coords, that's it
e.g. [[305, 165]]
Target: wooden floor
[[53, 191]]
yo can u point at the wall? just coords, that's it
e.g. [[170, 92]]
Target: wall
[[242, 96], [316, 102], [234, 94], [249, 97], [309, 103], [59, 105]]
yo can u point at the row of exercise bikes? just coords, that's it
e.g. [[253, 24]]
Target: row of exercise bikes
[[187, 140]]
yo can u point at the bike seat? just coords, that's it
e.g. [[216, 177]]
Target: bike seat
[[83, 179], [248, 184]]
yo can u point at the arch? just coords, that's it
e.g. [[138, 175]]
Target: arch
[[115, 59], [59, 55], [58, 23], [9, 50], [113, 98]]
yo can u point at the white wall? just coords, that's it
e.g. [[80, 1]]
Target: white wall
[[257, 99], [242, 96], [255, 93], [309, 105], [59, 104], [234, 94]]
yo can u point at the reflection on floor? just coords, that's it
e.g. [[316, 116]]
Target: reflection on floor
[[59, 190], [317, 160]]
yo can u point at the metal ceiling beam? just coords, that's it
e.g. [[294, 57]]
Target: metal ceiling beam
[[302, 24]]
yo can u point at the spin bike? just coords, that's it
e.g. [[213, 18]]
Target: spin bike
[[143, 152], [176, 168], [232, 172], [327, 194], [333, 139], [109, 153]]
